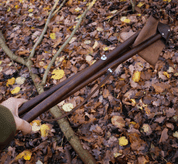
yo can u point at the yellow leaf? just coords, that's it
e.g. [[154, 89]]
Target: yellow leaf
[[95, 44], [8, 9], [21, 1], [30, 10], [0, 62], [166, 74], [52, 35], [15, 90], [26, 154], [105, 48], [10, 81], [67, 107], [175, 134], [78, 9], [44, 130], [16, 6], [19, 156], [57, 74], [136, 76], [167, 0], [38, 122], [125, 19], [133, 102], [140, 4], [45, 67], [123, 141], [139, 15]]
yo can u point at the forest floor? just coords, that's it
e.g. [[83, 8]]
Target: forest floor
[[131, 119]]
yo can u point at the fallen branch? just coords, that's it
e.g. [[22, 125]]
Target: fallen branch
[[66, 42], [43, 32]]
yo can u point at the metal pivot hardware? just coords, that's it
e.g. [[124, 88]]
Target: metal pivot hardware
[[144, 43]]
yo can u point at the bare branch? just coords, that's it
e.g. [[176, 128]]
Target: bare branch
[[58, 8], [66, 42], [43, 32]]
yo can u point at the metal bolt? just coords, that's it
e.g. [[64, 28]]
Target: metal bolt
[[103, 57], [169, 30], [110, 70], [162, 33]]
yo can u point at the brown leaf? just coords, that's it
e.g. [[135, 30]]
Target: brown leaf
[[118, 121], [160, 119], [142, 160], [164, 135]]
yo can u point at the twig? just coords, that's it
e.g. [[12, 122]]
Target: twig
[[43, 32], [66, 42], [133, 2], [58, 8], [117, 13]]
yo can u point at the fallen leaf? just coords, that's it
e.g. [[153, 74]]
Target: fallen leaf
[[164, 135], [44, 130], [147, 129], [15, 90], [78, 9], [118, 121], [140, 4], [30, 10], [95, 45], [142, 160], [175, 134], [67, 107], [10, 81], [160, 119], [26, 155], [136, 76], [125, 19], [20, 80], [123, 141], [57, 74], [52, 35]]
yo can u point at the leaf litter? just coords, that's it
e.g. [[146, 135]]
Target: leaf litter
[[131, 119]]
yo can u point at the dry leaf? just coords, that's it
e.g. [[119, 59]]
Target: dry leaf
[[26, 155], [20, 80], [10, 81], [164, 135], [147, 129], [44, 130], [123, 141], [52, 35], [136, 76], [15, 90], [118, 121], [125, 19], [57, 74], [67, 107]]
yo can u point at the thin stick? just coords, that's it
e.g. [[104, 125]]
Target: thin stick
[[66, 42], [43, 32]]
